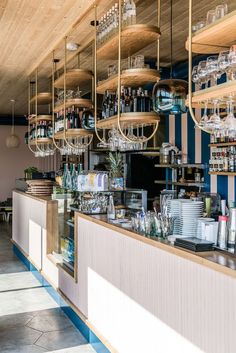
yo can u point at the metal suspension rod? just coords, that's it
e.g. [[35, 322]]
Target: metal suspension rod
[[29, 97], [95, 74], [53, 103], [158, 25], [119, 88], [190, 63]]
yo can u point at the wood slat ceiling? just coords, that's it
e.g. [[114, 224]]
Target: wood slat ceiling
[[31, 29]]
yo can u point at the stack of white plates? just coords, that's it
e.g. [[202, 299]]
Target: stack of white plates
[[175, 209], [190, 212]]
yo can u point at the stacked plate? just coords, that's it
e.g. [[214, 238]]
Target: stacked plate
[[175, 209], [190, 212]]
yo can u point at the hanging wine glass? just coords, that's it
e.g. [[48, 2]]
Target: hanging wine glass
[[214, 122], [204, 119]]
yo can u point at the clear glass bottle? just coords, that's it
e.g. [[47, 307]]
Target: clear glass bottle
[[111, 213], [64, 178], [124, 13]]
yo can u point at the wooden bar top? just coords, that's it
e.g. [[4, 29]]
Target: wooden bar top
[[215, 260], [40, 198]]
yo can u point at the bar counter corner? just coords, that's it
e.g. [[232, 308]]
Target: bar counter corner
[[142, 295]]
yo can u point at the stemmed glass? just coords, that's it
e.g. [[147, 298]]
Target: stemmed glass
[[204, 119], [212, 68], [229, 123], [203, 73], [103, 143], [214, 122], [224, 63]]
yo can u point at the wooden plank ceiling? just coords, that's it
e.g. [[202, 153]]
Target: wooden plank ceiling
[[31, 29]]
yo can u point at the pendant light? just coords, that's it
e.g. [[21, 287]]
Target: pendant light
[[169, 95], [13, 141]]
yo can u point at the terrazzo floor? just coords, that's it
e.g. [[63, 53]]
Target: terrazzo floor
[[30, 320]]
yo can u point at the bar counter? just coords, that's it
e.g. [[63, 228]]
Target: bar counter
[[216, 260], [141, 295]]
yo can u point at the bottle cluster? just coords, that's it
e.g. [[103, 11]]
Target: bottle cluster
[[43, 129], [223, 159], [70, 176], [72, 120], [131, 101], [221, 136], [75, 119], [109, 22]]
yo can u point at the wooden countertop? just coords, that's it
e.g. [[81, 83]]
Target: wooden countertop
[[215, 260], [46, 199]]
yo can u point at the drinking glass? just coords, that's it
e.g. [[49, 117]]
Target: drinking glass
[[111, 70], [224, 63], [232, 62], [221, 10], [229, 122], [139, 61], [204, 118], [214, 122], [212, 68], [195, 76], [211, 17], [202, 72]]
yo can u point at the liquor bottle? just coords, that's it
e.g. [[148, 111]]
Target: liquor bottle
[[135, 102], [65, 175], [111, 213], [147, 101], [26, 138], [74, 178], [122, 100], [131, 12], [78, 121]]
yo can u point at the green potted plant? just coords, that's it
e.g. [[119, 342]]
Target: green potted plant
[[29, 171], [115, 161]]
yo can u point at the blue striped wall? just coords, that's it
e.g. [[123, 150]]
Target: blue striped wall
[[181, 132]]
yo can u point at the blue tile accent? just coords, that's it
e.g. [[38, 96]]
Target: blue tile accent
[[191, 139], [167, 128], [77, 321], [178, 131], [222, 186]]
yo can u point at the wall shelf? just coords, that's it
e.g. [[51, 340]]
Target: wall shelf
[[221, 32], [176, 183], [221, 91], [134, 38], [73, 133], [35, 119], [222, 144], [40, 141], [42, 98], [74, 78], [128, 119], [130, 77], [199, 166], [223, 173], [76, 102]]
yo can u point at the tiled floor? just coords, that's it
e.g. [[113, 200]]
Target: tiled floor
[[30, 320]]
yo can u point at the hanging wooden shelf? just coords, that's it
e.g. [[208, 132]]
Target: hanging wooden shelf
[[41, 141], [128, 119], [134, 38], [35, 119], [222, 144], [73, 133], [42, 98], [130, 77], [216, 37], [222, 92], [76, 102], [74, 78], [223, 173]]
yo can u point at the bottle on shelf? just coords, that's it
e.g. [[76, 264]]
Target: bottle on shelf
[[111, 212]]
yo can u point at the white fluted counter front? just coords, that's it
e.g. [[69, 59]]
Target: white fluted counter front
[[148, 297]]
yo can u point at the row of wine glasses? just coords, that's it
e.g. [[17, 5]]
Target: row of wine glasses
[[117, 142], [75, 146], [214, 67], [44, 150], [214, 120]]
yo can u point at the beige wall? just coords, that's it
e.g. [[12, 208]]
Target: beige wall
[[13, 161]]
